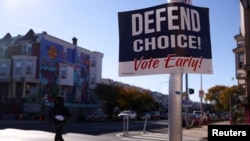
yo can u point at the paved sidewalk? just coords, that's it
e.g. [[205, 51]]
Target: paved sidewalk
[[201, 132]]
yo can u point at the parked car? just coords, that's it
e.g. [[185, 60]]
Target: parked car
[[143, 116], [155, 115], [214, 117], [130, 113], [203, 116], [191, 117], [164, 115], [95, 116], [29, 116], [195, 119]]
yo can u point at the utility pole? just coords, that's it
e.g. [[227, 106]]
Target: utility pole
[[175, 101], [201, 94]]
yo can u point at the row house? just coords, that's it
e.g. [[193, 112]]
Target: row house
[[242, 58], [40, 66]]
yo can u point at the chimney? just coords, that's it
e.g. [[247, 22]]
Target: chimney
[[74, 41]]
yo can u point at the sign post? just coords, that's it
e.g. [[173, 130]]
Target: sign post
[[201, 94], [175, 107]]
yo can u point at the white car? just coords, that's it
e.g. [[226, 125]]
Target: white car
[[130, 113]]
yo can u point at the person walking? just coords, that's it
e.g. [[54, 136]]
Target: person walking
[[59, 116]]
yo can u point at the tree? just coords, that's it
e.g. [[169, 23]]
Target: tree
[[223, 96], [124, 97], [135, 98], [213, 96], [108, 94], [231, 96], [143, 101]]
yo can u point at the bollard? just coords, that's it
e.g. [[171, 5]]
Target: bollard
[[145, 124], [125, 125]]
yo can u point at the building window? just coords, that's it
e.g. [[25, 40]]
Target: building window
[[3, 68], [2, 49], [65, 53], [18, 68], [93, 62], [26, 48], [240, 60], [29, 49], [63, 72], [29, 65], [92, 78], [241, 43]]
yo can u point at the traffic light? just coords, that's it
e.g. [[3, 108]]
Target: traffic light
[[190, 91]]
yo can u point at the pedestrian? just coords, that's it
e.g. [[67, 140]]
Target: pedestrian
[[59, 115]]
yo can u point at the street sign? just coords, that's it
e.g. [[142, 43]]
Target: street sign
[[166, 38], [201, 93]]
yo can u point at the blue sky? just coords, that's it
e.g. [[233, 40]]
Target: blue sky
[[95, 24]]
